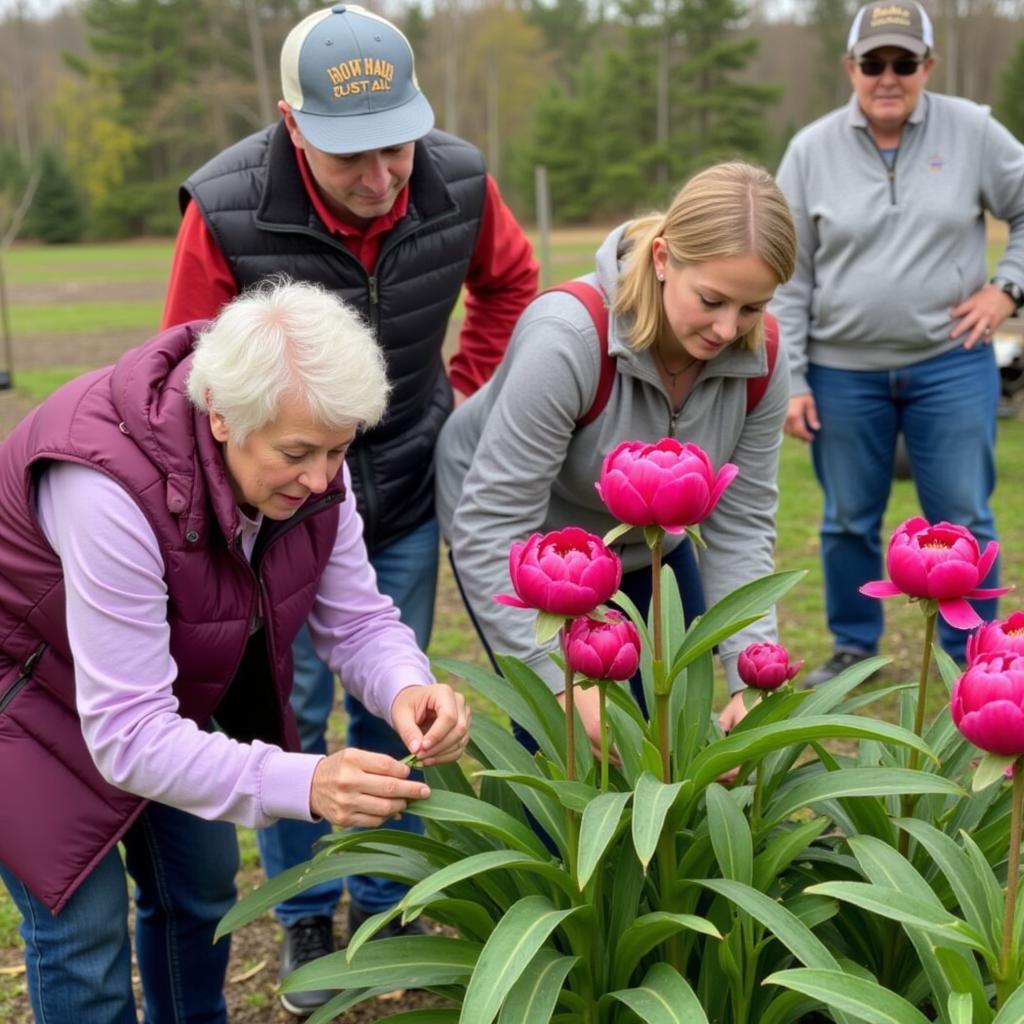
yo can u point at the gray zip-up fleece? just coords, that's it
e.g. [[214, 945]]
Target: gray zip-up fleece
[[511, 462], [885, 256]]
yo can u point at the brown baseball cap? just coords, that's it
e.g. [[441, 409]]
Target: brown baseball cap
[[901, 23]]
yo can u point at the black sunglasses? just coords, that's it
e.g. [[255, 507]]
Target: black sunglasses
[[902, 66]]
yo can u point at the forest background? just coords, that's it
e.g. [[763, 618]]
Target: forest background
[[116, 101]]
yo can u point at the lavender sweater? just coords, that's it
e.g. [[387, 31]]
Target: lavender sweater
[[117, 626]]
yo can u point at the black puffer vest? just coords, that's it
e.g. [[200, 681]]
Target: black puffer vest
[[257, 209]]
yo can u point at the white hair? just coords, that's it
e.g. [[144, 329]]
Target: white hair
[[288, 337]]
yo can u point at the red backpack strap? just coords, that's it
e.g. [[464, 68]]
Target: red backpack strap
[[757, 386], [594, 301]]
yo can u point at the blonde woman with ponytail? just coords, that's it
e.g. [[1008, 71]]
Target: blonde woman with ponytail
[[685, 293]]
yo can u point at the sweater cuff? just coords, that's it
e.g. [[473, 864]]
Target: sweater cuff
[[285, 785]]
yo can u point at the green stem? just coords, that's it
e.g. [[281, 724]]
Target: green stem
[[603, 711], [922, 682], [570, 713], [907, 802], [571, 824], [661, 700], [666, 856], [1007, 981], [755, 814]]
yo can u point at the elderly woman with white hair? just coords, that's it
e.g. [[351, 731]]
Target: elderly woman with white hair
[[170, 523]]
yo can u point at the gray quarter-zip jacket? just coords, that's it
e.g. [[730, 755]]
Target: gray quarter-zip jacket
[[884, 256], [510, 460]]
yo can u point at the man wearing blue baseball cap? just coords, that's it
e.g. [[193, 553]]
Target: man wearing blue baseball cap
[[355, 189]]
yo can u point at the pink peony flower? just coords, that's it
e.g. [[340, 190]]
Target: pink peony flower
[[667, 484], [766, 666], [988, 703], [603, 650], [1001, 635], [941, 563], [566, 572]]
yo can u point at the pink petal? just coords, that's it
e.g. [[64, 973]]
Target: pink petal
[[998, 727], [681, 502], [959, 614], [512, 602], [953, 579], [908, 571], [726, 475], [988, 558], [880, 588], [981, 593]]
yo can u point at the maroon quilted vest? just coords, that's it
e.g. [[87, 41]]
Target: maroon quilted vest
[[134, 422]]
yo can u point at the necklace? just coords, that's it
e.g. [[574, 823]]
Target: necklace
[[673, 375]]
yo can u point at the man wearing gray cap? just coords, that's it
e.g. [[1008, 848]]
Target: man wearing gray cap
[[889, 318], [354, 189]]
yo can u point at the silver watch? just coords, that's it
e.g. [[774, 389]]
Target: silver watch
[[1012, 289]]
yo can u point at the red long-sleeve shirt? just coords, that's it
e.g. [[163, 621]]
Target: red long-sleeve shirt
[[501, 280]]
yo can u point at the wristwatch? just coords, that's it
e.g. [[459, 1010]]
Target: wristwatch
[[1015, 291]]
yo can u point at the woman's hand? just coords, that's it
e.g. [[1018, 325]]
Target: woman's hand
[[432, 721], [733, 713], [356, 788]]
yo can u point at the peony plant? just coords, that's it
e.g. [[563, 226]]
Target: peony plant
[[930, 866], [604, 893], [603, 651]]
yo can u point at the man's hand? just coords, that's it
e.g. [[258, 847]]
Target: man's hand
[[356, 788], [802, 418], [432, 721], [981, 314], [588, 706]]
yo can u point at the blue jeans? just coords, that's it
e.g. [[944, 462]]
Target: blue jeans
[[78, 964], [407, 573], [946, 409]]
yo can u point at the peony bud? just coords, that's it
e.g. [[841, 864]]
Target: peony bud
[[766, 666]]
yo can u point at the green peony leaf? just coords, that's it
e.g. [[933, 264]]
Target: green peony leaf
[[663, 997], [991, 768], [615, 533], [547, 627]]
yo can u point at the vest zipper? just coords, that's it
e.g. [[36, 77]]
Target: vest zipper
[[24, 676]]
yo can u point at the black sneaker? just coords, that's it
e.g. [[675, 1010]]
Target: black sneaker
[[394, 927], [839, 661], [308, 939]]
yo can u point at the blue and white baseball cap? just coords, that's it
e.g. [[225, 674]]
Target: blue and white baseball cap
[[349, 77]]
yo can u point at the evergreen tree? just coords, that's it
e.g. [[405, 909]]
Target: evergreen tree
[[715, 114], [563, 138], [628, 152], [56, 214], [182, 71], [1010, 106], [831, 19], [569, 32]]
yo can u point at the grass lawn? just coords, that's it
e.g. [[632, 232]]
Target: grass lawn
[[801, 616]]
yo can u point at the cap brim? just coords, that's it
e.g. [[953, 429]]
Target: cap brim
[[915, 46], [356, 133]]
